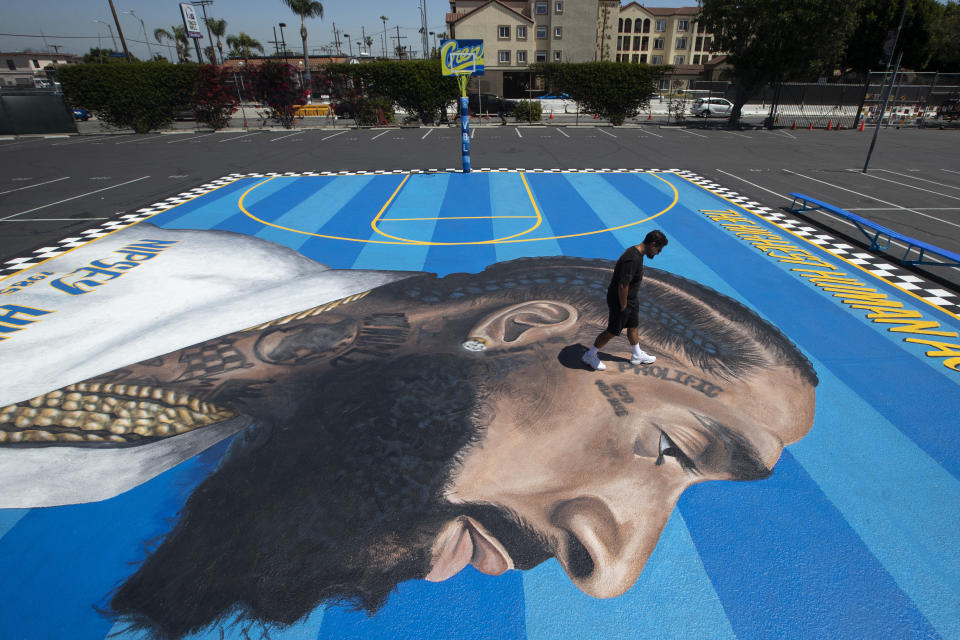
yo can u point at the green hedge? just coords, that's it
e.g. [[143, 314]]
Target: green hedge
[[416, 86], [140, 95], [528, 111], [614, 90]]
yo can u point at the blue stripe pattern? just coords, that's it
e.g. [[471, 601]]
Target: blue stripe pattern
[[853, 536]]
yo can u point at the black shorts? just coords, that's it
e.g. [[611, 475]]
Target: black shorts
[[620, 320]]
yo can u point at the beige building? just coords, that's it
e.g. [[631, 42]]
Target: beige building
[[26, 68], [517, 33]]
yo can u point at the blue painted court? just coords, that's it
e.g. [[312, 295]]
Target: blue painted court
[[855, 535]]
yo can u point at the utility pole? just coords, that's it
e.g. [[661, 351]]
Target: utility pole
[[116, 21], [203, 5], [363, 33], [275, 42], [336, 39], [399, 48]]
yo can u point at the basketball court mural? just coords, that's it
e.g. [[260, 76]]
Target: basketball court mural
[[353, 406]]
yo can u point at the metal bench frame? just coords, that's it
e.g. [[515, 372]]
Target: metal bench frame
[[875, 233]]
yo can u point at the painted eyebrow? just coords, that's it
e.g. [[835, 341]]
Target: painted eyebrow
[[729, 452]]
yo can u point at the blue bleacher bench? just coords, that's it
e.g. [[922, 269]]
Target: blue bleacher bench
[[880, 237]]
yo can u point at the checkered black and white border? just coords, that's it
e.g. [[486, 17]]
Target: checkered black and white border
[[874, 264]]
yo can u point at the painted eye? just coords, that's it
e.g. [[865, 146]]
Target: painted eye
[[667, 447]]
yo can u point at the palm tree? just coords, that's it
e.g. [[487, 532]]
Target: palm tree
[[242, 46], [305, 9], [218, 29], [368, 41], [177, 35], [384, 20]]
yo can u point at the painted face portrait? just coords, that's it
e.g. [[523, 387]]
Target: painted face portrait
[[435, 423]]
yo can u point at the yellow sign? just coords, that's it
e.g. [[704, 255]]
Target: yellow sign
[[462, 57]]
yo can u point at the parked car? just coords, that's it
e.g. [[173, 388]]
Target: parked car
[[706, 107], [555, 96], [345, 109], [81, 114], [489, 103]]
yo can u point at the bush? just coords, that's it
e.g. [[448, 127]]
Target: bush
[[614, 90], [276, 85], [140, 95], [215, 100], [528, 111], [375, 111], [417, 86]]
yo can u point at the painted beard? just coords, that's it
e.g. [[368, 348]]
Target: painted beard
[[338, 504]]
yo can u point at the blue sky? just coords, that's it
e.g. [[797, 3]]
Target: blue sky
[[57, 19]]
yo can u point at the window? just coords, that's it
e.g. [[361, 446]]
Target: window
[[541, 32], [541, 56], [504, 56], [679, 59], [36, 63], [657, 60], [558, 6], [707, 44], [658, 43], [699, 27], [696, 59], [664, 83], [646, 25], [698, 44], [11, 65], [557, 55], [540, 8], [620, 26], [661, 25], [619, 43], [558, 33], [627, 25], [503, 32], [521, 32], [682, 25], [705, 59], [636, 57], [521, 56], [681, 43], [643, 57], [636, 43], [645, 43]]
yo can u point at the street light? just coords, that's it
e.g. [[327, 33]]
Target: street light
[[144, 27], [111, 33], [283, 41], [350, 44]]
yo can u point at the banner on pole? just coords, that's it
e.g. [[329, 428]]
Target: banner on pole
[[461, 57], [190, 20]]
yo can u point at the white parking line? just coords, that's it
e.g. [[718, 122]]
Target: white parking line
[[295, 133], [339, 133], [382, 133], [607, 132], [191, 138], [238, 137], [11, 144], [517, 129], [939, 184], [31, 186], [473, 132], [949, 171], [734, 133], [826, 213], [693, 133], [140, 139], [82, 139], [89, 193], [429, 131], [788, 134], [652, 133], [863, 195], [559, 129], [910, 186]]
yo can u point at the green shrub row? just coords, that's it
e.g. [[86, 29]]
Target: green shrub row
[[528, 111]]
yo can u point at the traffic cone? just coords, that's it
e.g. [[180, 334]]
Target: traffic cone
[[811, 125], [794, 126], [830, 124], [862, 123], [551, 114], [595, 116], [649, 115]]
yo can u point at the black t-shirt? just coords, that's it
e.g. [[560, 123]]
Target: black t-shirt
[[629, 271]]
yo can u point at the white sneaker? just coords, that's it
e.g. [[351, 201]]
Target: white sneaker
[[593, 361], [643, 358]]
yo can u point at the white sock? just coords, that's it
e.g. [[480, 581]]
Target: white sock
[[592, 351], [637, 351]]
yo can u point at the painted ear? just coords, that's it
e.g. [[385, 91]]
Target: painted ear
[[522, 324]]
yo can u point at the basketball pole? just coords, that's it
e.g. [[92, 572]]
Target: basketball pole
[[463, 80]]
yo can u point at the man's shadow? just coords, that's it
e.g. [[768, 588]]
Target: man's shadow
[[571, 357]]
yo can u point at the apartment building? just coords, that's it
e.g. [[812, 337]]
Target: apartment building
[[26, 68], [517, 33]]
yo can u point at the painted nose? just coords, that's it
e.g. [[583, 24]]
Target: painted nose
[[604, 555]]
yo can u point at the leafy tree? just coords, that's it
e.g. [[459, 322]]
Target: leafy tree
[[215, 100], [177, 35], [243, 46], [102, 56], [944, 36], [775, 40], [275, 84], [921, 39], [218, 29], [613, 90], [141, 95], [305, 9], [417, 86]]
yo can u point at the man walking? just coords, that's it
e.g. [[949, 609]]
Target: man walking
[[623, 302]]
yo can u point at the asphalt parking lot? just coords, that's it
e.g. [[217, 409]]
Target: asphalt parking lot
[[57, 186]]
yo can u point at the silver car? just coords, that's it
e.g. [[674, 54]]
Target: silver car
[[707, 107]]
